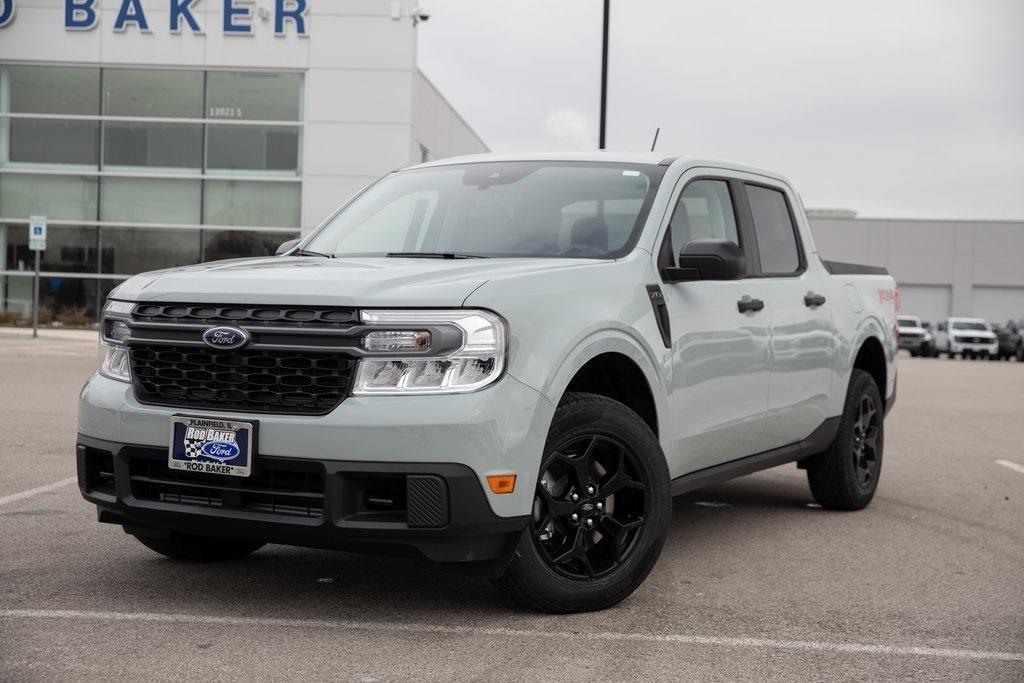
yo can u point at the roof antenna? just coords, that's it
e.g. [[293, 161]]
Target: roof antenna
[[655, 143]]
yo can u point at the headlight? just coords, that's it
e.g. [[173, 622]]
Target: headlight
[[113, 332], [478, 361]]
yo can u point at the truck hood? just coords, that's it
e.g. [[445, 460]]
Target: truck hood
[[317, 281]]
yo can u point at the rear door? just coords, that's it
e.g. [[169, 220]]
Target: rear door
[[719, 356], [793, 286]]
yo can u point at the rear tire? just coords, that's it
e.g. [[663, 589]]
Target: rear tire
[[199, 548], [601, 510], [846, 475]]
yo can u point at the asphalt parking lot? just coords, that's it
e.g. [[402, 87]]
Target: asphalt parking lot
[[754, 582]]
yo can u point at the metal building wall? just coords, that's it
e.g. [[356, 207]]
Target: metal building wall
[[968, 268]]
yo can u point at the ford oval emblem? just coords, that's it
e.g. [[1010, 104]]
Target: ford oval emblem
[[220, 450], [226, 337]]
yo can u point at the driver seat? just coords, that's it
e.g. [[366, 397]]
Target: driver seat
[[589, 231]]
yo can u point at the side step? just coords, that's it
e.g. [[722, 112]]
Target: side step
[[819, 440]]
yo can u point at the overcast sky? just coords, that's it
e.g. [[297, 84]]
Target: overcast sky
[[893, 108]]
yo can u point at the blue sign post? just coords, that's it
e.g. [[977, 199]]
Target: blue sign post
[[37, 243]]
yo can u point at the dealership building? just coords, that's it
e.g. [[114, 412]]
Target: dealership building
[[153, 133]]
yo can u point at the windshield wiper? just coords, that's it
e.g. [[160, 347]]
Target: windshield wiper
[[431, 254], [309, 252]]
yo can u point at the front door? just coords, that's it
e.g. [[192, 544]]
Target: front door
[[720, 355]]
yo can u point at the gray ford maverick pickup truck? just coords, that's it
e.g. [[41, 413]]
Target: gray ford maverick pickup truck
[[507, 364]]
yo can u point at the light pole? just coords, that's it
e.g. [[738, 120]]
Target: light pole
[[604, 76]]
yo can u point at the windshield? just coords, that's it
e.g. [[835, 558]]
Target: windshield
[[964, 325], [522, 208], [909, 322]]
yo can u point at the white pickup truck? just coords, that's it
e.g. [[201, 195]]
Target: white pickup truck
[[966, 337], [914, 336], [507, 363]]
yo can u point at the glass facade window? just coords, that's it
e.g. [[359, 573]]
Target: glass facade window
[[69, 249], [130, 165], [46, 141], [165, 93], [254, 96], [70, 301], [61, 197], [252, 148], [134, 250], [153, 145], [256, 204], [54, 90], [224, 244], [150, 200]]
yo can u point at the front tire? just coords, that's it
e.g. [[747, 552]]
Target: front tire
[[601, 510], [199, 548], [846, 475]]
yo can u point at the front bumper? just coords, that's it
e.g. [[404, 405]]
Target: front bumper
[[498, 430], [438, 511], [913, 343], [962, 347]]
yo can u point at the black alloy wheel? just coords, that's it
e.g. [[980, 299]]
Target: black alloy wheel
[[590, 506], [865, 450], [846, 476], [600, 513]]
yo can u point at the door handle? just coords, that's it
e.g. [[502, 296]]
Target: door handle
[[748, 305], [811, 300]]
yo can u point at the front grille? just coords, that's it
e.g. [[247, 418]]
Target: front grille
[[973, 340], [290, 316], [249, 380], [289, 489], [911, 335]]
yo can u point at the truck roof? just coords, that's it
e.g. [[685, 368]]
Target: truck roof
[[606, 156]]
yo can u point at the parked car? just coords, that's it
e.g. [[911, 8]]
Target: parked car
[[914, 336], [1011, 341], [966, 337], [506, 363]]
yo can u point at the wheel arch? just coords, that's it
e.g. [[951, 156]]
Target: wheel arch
[[613, 364], [871, 358]]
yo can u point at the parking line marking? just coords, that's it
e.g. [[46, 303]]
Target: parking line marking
[[36, 491], [380, 627], [1012, 465]]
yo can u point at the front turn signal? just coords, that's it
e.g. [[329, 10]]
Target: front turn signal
[[501, 483]]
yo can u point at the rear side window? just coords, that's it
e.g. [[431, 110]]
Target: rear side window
[[704, 211], [776, 236]]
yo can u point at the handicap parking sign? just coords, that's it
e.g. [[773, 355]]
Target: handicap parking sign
[[37, 233]]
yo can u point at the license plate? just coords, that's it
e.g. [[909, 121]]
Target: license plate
[[211, 445]]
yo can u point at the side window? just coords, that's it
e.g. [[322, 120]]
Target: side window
[[776, 235], [704, 211]]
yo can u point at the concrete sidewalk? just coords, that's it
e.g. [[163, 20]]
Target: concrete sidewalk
[[9, 331]]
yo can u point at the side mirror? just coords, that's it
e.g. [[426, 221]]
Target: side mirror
[[286, 246], [710, 259]]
